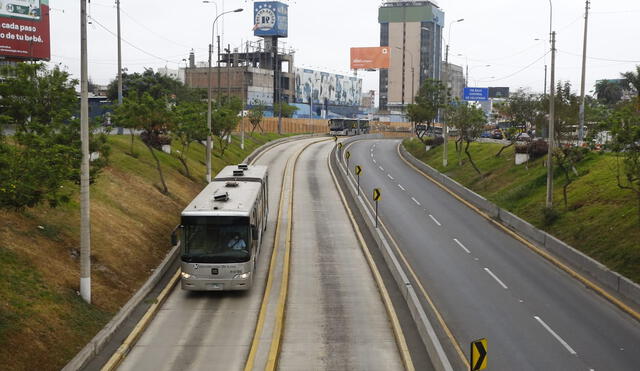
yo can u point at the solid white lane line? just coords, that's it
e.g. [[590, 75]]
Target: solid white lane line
[[416, 201], [401, 187], [435, 220], [564, 343], [390, 177], [461, 245], [381, 168], [496, 278]]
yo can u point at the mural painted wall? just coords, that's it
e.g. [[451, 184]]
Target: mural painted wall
[[339, 90]]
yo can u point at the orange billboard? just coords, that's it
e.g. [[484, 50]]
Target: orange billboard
[[366, 58]]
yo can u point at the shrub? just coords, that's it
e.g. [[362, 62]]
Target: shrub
[[434, 142], [538, 148], [522, 148]]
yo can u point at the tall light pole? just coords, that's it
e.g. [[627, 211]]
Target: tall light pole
[[584, 71], [445, 133], [85, 221], [213, 26], [119, 56], [551, 135]]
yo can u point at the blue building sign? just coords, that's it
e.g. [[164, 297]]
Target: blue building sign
[[476, 94], [271, 18]]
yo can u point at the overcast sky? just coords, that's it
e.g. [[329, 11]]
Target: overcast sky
[[500, 33]]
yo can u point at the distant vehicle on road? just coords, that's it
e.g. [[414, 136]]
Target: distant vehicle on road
[[348, 127], [496, 134], [221, 230], [485, 134]]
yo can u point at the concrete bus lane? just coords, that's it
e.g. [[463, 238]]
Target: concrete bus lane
[[204, 330], [335, 317], [487, 284]]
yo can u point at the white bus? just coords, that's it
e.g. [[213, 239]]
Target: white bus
[[221, 231]]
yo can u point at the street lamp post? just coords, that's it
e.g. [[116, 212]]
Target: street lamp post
[[445, 133], [209, 93], [551, 134], [85, 215]]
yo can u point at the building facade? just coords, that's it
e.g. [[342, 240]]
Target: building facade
[[455, 79], [412, 29]]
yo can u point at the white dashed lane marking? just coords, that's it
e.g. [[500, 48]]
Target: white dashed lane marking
[[461, 245], [564, 343], [401, 187], [496, 278], [390, 177], [435, 220], [416, 201], [381, 168]]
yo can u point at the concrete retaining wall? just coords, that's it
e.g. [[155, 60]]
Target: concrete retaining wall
[[609, 279]]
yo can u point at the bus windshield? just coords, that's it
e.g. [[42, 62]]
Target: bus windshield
[[216, 239]]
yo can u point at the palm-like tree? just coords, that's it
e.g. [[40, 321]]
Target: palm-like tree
[[632, 80], [609, 92]]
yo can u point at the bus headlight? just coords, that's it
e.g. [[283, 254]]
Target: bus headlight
[[242, 276], [185, 275]]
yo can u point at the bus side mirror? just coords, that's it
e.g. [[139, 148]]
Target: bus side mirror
[[254, 233]]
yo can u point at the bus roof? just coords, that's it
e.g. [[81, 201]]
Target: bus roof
[[253, 173], [240, 202]]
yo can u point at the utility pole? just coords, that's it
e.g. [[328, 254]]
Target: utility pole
[[445, 133], [545, 79], [549, 203], [584, 71], [119, 57], [209, 93], [229, 71], [85, 221], [218, 66]]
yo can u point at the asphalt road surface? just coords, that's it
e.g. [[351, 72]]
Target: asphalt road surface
[[486, 284]]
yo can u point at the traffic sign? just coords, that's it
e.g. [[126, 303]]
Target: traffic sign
[[347, 155], [476, 94], [377, 195], [358, 170], [479, 355], [335, 138], [340, 145]]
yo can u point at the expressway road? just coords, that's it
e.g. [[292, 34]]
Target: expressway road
[[335, 316], [486, 284]]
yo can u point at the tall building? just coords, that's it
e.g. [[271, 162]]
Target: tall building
[[456, 79], [412, 29]]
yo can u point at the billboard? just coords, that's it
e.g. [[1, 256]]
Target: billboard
[[271, 18], [338, 90], [499, 92], [476, 94], [24, 29], [365, 58]]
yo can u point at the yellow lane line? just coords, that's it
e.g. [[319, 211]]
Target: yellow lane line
[[615, 301], [401, 342], [135, 334], [421, 287], [276, 341], [267, 292]]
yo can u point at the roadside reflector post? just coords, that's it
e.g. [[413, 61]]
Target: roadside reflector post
[[348, 156], [478, 355], [377, 195], [358, 172]]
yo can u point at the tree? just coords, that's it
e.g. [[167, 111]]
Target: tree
[[469, 120], [256, 114], [154, 117], [609, 92], [431, 97], [522, 108], [624, 124], [286, 109], [225, 119], [632, 81], [190, 126], [153, 83], [44, 153]]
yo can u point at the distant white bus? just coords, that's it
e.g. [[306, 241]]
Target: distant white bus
[[221, 230]]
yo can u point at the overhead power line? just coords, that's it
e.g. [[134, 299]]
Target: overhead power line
[[519, 71], [132, 45], [601, 59]]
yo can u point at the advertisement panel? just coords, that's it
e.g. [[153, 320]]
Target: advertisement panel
[[271, 18], [501, 92], [476, 94], [24, 29], [322, 87], [366, 58]]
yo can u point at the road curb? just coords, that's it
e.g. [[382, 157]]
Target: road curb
[[95, 346], [613, 281]]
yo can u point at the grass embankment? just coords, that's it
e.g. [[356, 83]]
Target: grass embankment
[[43, 321], [600, 219]]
